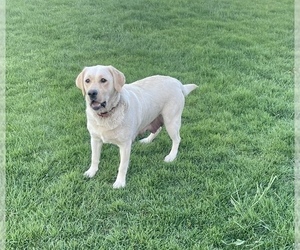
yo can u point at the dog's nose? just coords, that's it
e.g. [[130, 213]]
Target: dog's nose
[[103, 104], [93, 94]]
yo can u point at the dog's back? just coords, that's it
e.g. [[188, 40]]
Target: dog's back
[[160, 86]]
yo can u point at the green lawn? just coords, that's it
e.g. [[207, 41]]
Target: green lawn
[[231, 186]]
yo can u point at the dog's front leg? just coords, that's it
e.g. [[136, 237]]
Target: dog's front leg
[[125, 150], [96, 145]]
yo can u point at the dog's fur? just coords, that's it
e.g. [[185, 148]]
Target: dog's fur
[[118, 112]]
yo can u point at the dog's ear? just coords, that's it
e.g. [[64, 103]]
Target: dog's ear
[[79, 82], [119, 78]]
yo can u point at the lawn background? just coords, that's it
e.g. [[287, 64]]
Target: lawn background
[[232, 183], [2, 124], [297, 124]]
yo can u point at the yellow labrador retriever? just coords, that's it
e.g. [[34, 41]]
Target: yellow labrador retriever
[[117, 113]]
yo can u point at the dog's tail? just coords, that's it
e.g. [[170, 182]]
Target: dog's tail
[[187, 88]]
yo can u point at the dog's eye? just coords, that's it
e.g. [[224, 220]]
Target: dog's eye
[[87, 80], [103, 80]]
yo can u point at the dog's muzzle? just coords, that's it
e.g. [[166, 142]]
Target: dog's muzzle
[[94, 103]]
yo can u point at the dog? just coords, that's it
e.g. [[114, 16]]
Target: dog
[[117, 112]]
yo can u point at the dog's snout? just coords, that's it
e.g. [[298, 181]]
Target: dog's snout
[[103, 104], [93, 93]]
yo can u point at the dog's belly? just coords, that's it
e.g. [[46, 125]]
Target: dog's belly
[[154, 125]]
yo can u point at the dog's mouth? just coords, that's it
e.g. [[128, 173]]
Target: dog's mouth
[[96, 105]]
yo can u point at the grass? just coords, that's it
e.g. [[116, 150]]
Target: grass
[[2, 125], [231, 186]]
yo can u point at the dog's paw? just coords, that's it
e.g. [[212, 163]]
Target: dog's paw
[[90, 173], [170, 158], [145, 140], [119, 184]]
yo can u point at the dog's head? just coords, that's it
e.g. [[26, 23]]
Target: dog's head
[[101, 86]]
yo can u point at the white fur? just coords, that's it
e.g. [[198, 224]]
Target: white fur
[[131, 108]]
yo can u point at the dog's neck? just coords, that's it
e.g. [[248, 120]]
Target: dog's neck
[[111, 111], [108, 113]]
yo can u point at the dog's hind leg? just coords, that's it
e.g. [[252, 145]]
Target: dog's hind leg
[[173, 131], [154, 127], [151, 137]]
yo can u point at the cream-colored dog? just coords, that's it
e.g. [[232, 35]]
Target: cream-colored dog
[[117, 113]]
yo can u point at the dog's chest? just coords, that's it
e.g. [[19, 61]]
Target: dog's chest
[[109, 137]]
